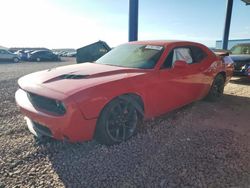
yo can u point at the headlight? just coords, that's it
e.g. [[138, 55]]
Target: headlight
[[61, 107], [244, 67]]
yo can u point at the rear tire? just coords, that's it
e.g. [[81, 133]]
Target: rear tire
[[217, 88], [118, 122], [38, 59]]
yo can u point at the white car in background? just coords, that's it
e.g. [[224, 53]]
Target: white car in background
[[7, 56]]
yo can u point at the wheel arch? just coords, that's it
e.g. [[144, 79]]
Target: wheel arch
[[92, 109], [137, 98], [134, 96], [214, 94]]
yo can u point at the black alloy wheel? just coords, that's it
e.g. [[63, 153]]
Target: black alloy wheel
[[117, 123]]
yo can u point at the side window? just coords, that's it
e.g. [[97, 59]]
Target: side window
[[236, 50], [182, 54], [3, 52], [246, 50], [47, 53], [197, 54]]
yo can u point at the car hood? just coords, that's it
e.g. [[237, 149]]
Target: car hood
[[73, 78], [240, 57]]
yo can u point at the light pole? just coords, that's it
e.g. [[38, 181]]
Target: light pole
[[133, 20], [227, 24]]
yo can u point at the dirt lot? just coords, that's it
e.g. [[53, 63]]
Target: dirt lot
[[201, 145]]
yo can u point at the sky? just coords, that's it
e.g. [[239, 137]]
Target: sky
[[76, 23]]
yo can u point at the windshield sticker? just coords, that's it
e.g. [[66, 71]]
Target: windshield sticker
[[151, 47]]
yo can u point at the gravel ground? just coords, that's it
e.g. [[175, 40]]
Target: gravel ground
[[201, 145]]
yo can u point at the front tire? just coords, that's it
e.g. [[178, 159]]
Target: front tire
[[217, 88], [117, 123], [16, 60], [38, 59]]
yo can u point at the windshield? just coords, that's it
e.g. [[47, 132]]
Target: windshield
[[241, 49], [133, 56]]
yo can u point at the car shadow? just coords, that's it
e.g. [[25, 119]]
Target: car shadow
[[89, 163], [242, 80]]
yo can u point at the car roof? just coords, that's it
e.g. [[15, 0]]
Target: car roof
[[40, 51], [165, 42]]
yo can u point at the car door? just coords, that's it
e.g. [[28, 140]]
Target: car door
[[201, 78], [48, 55], [43, 55], [5, 55], [2, 56], [51, 56], [177, 86]]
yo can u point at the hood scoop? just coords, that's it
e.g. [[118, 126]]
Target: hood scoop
[[67, 77], [73, 76]]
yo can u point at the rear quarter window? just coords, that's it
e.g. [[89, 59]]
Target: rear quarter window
[[198, 54]]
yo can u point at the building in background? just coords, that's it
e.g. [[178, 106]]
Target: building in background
[[231, 43]]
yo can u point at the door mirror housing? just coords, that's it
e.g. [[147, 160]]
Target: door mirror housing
[[180, 64]]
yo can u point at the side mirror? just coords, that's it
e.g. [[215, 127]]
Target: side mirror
[[180, 64]]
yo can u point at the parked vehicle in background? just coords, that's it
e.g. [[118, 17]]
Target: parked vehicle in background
[[107, 99], [71, 54], [229, 63], [43, 55], [23, 54], [64, 52], [240, 54], [7, 56], [246, 70], [225, 55]]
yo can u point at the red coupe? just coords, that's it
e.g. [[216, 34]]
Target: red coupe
[[107, 99]]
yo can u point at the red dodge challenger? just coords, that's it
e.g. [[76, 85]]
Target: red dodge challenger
[[107, 99]]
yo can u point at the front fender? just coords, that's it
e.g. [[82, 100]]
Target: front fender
[[92, 101]]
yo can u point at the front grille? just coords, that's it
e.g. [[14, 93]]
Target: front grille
[[41, 129], [44, 103]]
